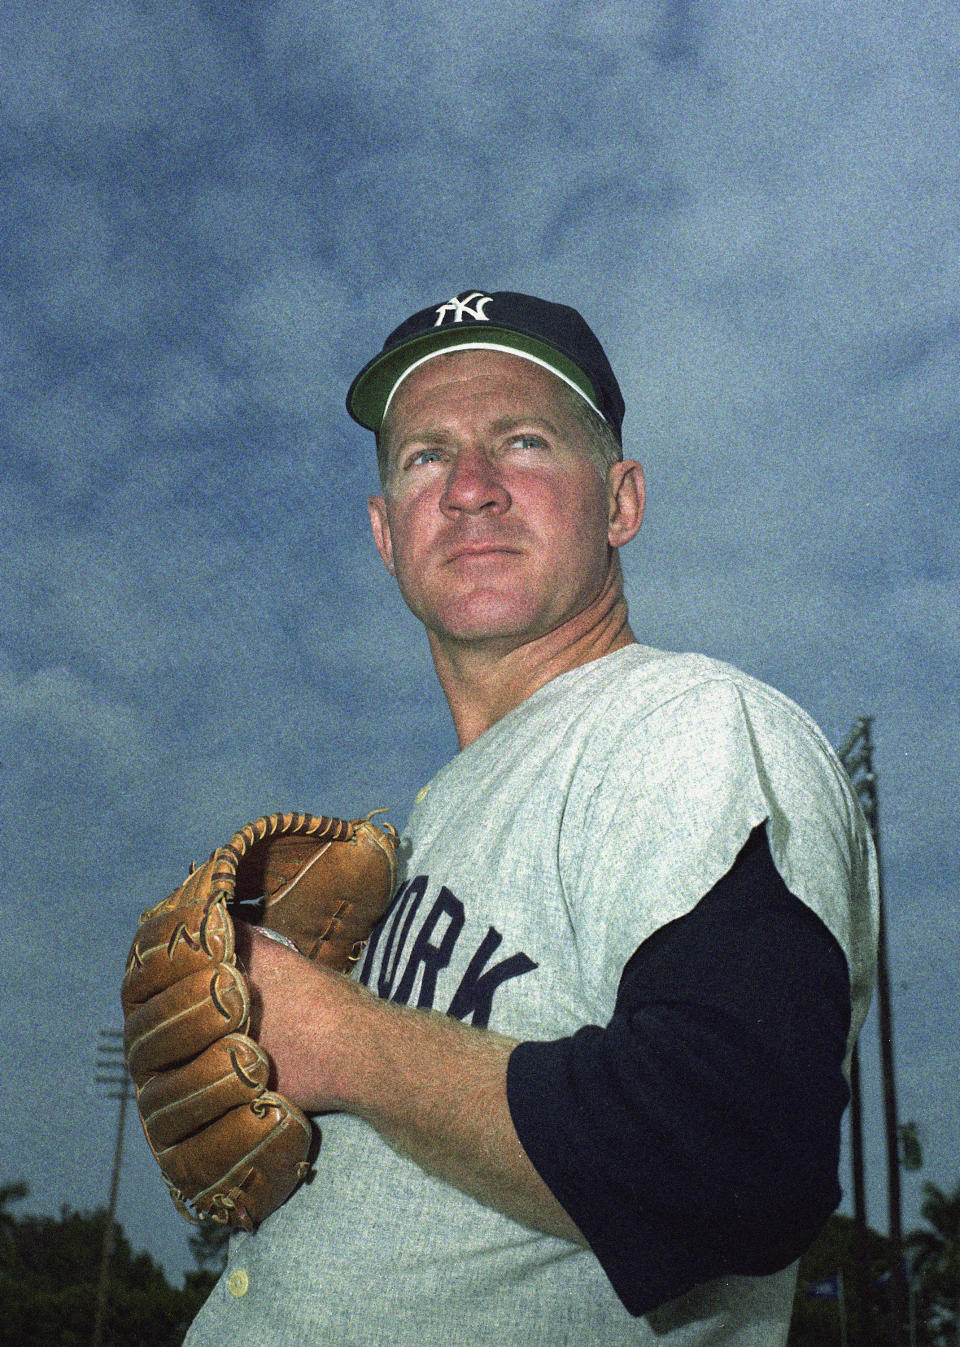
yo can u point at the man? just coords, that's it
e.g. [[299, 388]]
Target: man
[[588, 1083]]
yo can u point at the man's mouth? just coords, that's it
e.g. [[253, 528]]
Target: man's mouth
[[476, 551]]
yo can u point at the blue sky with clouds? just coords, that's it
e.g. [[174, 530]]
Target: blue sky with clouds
[[213, 213]]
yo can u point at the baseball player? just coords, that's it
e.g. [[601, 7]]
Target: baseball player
[[587, 1081]]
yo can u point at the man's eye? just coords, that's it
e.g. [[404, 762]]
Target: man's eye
[[423, 456], [530, 441]]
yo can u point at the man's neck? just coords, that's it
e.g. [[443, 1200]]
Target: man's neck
[[484, 680]]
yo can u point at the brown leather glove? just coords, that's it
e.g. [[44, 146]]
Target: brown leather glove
[[226, 1145]]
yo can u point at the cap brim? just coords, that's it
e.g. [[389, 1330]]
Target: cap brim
[[370, 390]]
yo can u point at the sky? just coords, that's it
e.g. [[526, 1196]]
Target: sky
[[213, 211]]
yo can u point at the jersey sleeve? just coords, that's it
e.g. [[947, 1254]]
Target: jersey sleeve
[[696, 1134], [665, 800]]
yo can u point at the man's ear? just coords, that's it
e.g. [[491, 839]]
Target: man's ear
[[381, 530], [626, 495]]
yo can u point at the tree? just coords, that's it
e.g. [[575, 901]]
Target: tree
[[9, 1192], [816, 1320], [48, 1278], [936, 1264], [208, 1244]]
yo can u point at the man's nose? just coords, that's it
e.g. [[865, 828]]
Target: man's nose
[[474, 484]]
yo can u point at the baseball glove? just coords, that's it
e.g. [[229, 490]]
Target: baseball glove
[[227, 1146]]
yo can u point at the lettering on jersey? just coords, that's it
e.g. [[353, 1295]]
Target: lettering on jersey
[[395, 923], [432, 949], [474, 996], [428, 954]]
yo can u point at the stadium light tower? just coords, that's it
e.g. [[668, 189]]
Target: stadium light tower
[[856, 754], [111, 1070]]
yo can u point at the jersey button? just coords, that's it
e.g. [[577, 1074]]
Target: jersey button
[[238, 1283]]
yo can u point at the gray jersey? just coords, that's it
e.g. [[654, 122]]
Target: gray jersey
[[533, 866]]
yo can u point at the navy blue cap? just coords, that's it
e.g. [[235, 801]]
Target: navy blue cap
[[552, 335]]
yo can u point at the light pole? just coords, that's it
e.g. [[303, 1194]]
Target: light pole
[[857, 756], [111, 1070]]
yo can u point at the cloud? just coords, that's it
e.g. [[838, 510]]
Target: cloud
[[62, 64], [64, 705], [214, 216]]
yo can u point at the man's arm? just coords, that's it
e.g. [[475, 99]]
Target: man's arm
[[697, 1134], [435, 1089], [694, 1136]]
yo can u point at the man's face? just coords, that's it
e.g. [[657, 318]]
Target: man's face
[[495, 518]]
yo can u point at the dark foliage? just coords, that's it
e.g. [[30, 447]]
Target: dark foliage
[[817, 1320], [49, 1269]]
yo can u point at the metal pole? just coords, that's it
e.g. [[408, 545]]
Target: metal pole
[[111, 1051], [861, 1271], [898, 1287], [860, 766], [850, 757]]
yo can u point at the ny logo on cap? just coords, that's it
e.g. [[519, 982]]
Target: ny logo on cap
[[460, 308]]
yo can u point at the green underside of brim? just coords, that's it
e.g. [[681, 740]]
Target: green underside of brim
[[369, 395]]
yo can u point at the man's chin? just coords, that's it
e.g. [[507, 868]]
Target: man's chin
[[479, 626]]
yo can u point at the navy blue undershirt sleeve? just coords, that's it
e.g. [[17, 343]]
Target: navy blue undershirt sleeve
[[697, 1134]]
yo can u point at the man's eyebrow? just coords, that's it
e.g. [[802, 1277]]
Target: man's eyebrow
[[537, 420], [425, 435]]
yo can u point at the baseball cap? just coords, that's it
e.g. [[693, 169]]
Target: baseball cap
[[552, 335]]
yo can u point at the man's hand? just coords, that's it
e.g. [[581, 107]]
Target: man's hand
[[433, 1088], [295, 1005]]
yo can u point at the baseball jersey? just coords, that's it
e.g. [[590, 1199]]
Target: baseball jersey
[[533, 866]]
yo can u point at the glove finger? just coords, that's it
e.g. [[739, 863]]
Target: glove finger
[[244, 1165], [329, 907], [178, 1102], [172, 943], [182, 1020]]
